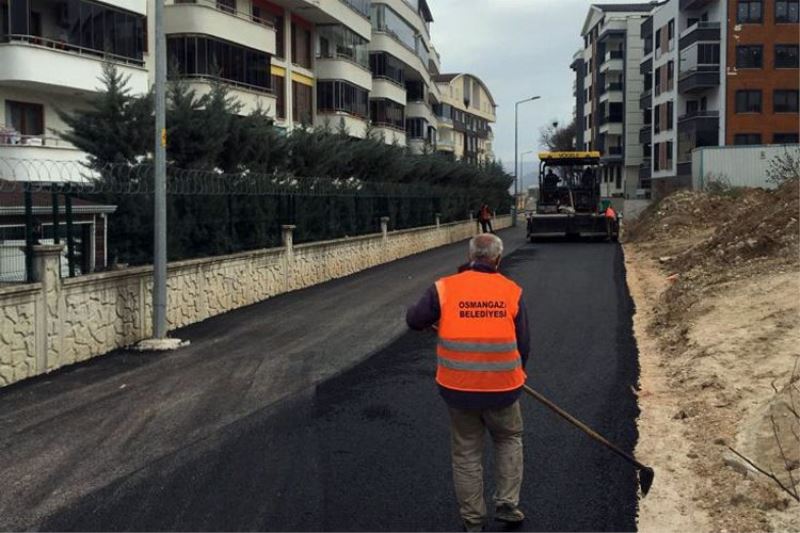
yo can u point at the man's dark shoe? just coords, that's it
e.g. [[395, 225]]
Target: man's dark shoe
[[510, 514]]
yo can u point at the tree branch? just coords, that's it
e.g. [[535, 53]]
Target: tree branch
[[768, 474]]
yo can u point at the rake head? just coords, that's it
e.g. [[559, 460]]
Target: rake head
[[646, 475]]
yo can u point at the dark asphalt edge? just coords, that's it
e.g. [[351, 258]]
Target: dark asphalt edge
[[625, 331]]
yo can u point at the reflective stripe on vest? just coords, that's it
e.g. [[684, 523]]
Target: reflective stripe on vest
[[477, 349]]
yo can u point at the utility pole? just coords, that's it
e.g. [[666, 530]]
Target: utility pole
[[516, 152], [160, 207], [159, 341]]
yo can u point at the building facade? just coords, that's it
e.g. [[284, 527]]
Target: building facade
[[367, 67], [736, 80], [608, 85], [713, 72]]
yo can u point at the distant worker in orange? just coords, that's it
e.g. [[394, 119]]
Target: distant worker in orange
[[611, 218], [482, 350]]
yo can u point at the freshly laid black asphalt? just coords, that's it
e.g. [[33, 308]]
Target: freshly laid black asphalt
[[223, 437]]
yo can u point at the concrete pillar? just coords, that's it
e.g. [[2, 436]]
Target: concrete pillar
[[47, 271], [385, 228], [438, 220], [287, 238]]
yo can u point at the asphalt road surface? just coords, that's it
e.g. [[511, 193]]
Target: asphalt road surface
[[254, 427]]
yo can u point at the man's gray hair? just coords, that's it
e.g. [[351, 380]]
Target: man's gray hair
[[485, 247]]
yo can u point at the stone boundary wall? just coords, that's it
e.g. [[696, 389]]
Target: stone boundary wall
[[57, 322]]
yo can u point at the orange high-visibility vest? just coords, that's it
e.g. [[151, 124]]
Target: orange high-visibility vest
[[477, 350], [610, 213]]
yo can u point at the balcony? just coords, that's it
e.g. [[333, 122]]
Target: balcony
[[611, 125], [613, 62], [699, 128], [420, 109], [646, 66], [389, 89], [208, 17], [645, 169], [44, 148], [698, 79], [612, 92], [646, 134], [612, 152], [35, 61], [646, 99], [343, 67], [692, 5], [708, 32]]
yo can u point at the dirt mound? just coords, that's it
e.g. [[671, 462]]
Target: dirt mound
[[724, 270]]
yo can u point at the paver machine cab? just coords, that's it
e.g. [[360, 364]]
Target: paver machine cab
[[569, 202]]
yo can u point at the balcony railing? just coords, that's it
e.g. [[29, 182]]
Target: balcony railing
[[362, 7], [646, 99], [218, 79], [227, 9], [646, 134], [10, 137], [700, 31], [645, 170], [610, 119], [63, 46], [698, 114], [614, 54], [699, 78]]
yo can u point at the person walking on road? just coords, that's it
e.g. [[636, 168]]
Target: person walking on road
[[485, 218], [611, 218], [482, 351]]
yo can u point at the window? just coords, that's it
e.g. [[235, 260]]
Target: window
[[787, 11], [417, 128], [301, 45], [301, 103], [386, 66], [671, 29], [618, 183], [337, 41], [385, 19], [279, 88], [191, 55], [658, 40], [786, 138], [669, 155], [341, 96], [25, 118], [95, 28], [708, 54], [748, 101], [383, 112], [749, 11], [670, 115], [749, 56], [786, 55], [227, 5], [670, 75], [784, 101], [747, 138]]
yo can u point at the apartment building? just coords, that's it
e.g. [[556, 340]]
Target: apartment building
[[364, 66], [731, 78], [465, 115], [607, 88]]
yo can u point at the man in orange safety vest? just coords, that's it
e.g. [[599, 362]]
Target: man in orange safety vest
[[482, 350]]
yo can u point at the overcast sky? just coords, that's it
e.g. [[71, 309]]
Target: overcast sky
[[520, 48]]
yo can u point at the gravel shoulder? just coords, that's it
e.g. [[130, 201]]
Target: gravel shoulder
[[716, 283]]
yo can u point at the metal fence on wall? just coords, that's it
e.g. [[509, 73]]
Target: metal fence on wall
[[104, 217]]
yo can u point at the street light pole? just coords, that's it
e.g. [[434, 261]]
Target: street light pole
[[160, 196], [516, 152]]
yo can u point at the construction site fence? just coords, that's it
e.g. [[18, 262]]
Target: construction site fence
[[103, 216]]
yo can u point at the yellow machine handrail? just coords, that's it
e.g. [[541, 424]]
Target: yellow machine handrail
[[568, 155]]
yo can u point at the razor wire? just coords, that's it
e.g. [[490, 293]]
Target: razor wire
[[41, 175]]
